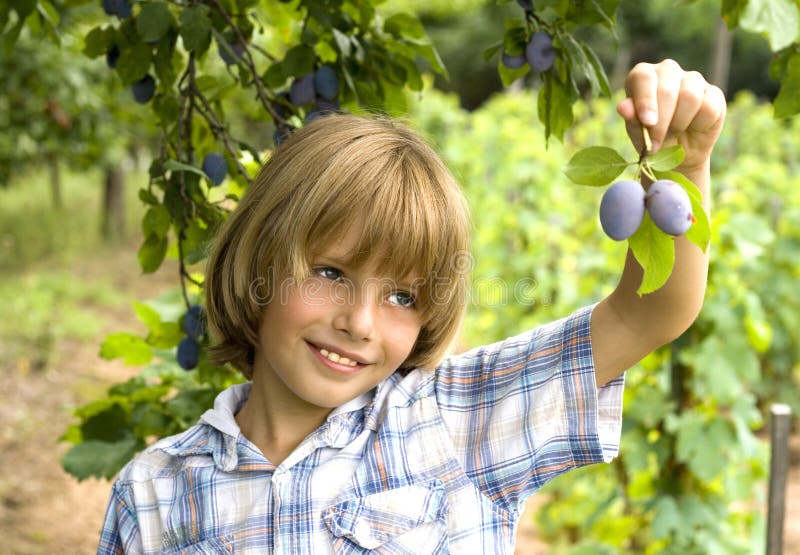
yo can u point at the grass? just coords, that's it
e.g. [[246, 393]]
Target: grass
[[40, 247]]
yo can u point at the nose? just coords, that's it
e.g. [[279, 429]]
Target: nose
[[357, 317]]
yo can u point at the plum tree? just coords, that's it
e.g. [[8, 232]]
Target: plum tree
[[144, 89], [215, 167], [188, 353], [540, 52], [669, 207], [622, 209]]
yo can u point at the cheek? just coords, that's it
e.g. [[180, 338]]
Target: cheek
[[403, 335]]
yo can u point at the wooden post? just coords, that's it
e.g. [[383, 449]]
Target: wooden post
[[781, 423]]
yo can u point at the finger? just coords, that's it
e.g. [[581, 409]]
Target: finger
[[712, 111], [691, 95], [626, 109], [635, 133], [641, 86], [670, 77]]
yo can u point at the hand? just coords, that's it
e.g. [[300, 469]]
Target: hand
[[677, 107]]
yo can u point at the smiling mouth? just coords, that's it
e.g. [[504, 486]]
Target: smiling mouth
[[339, 360], [336, 357]]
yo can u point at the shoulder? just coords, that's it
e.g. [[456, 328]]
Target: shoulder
[[167, 456], [544, 344]]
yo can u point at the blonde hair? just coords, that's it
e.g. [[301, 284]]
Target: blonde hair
[[336, 169]]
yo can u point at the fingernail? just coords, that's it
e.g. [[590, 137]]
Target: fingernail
[[648, 118]]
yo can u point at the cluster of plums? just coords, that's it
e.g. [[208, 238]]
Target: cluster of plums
[[539, 53], [189, 347], [624, 203]]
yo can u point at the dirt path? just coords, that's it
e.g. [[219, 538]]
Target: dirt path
[[43, 510]]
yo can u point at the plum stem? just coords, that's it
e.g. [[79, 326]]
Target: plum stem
[[648, 144]]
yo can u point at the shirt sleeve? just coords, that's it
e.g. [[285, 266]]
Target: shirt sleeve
[[120, 533], [524, 410]]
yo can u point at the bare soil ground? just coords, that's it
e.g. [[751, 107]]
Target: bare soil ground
[[43, 510]]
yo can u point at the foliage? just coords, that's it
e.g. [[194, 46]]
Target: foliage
[[57, 106]]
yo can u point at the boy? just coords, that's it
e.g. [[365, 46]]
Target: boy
[[338, 286]]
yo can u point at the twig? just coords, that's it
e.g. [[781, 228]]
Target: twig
[[207, 111], [248, 59]]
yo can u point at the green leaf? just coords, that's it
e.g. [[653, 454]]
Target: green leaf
[[593, 12], [167, 61], [732, 11], [152, 253], [577, 55], [275, 76], [175, 166], [132, 348], [108, 425], [492, 50], [595, 166], [134, 62], [779, 20], [189, 404], [148, 315], [148, 197], [554, 105], [148, 419], [787, 103], [655, 252], [514, 40], [299, 60], [97, 42], [702, 444], [599, 71], [95, 458], [195, 28], [153, 21], [666, 517], [431, 55], [343, 41], [509, 75], [403, 25], [156, 221], [666, 158], [700, 232]]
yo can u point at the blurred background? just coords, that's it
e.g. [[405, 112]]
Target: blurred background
[[75, 150]]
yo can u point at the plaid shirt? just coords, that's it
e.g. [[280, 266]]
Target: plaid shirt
[[429, 462]]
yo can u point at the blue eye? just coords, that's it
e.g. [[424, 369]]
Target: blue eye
[[328, 273], [402, 298]]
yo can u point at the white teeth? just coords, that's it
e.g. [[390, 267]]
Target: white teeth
[[336, 357]]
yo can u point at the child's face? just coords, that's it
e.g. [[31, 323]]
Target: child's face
[[368, 321]]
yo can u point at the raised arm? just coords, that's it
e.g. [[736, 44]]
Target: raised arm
[[677, 107]]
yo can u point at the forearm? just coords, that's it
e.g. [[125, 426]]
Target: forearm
[[626, 327]]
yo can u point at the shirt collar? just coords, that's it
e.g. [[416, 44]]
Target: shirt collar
[[224, 441]]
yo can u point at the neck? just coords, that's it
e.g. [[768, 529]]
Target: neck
[[274, 425]]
